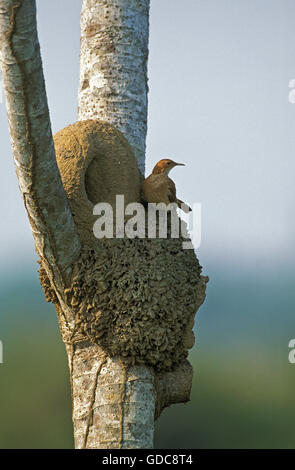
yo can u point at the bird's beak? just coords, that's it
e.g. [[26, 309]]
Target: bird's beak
[[180, 164]]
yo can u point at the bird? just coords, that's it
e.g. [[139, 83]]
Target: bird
[[158, 187]]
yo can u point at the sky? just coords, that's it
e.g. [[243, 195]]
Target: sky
[[218, 78]]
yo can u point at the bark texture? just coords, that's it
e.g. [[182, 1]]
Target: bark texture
[[113, 68], [113, 406]]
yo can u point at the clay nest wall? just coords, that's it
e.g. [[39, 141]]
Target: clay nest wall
[[136, 298]]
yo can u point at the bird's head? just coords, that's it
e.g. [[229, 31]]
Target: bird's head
[[164, 166]]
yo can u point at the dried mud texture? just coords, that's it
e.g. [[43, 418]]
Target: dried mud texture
[[135, 298], [49, 292], [96, 163]]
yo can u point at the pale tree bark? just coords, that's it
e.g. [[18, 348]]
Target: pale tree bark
[[113, 71], [113, 407], [113, 88]]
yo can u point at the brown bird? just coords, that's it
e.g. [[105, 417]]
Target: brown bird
[[158, 187]]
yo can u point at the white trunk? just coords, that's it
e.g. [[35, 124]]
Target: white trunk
[[113, 407], [113, 88], [113, 67]]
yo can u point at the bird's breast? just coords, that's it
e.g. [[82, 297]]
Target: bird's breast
[[155, 189]]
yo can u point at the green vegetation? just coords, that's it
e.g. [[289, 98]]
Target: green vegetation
[[243, 391]]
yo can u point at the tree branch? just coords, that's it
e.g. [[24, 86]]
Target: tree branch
[[31, 137]]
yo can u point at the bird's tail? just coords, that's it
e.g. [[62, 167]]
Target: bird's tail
[[182, 205]]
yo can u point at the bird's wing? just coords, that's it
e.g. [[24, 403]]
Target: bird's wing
[[171, 191], [172, 197]]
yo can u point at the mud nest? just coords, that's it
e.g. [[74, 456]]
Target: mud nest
[[136, 298], [96, 163]]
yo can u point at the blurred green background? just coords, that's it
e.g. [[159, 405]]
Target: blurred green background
[[243, 389]]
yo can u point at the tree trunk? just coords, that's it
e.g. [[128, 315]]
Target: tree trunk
[[113, 407], [113, 88], [113, 67]]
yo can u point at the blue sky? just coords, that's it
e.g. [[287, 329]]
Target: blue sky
[[218, 78]]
